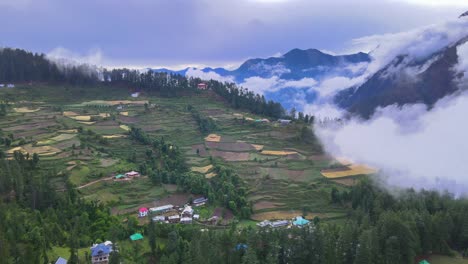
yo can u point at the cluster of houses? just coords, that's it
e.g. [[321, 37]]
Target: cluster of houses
[[127, 176], [298, 221], [173, 214], [10, 85]]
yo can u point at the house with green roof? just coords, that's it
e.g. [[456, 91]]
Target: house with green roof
[[136, 236]]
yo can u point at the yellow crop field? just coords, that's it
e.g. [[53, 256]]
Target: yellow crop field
[[69, 113], [354, 169], [210, 175], [213, 138], [85, 118], [25, 110], [278, 152], [104, 115], [41, 151], [124, 113], [86, 123], [68, 131], [202, 169], [114, 136], [258, 147], [125, 127]]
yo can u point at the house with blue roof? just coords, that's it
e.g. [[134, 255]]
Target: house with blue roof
[[61, 260], [100, 253], [300, 221]]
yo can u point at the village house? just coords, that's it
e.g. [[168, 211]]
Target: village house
[[100, 253], [196, 216], [279, 223], [136, 237], [159, 218], [132, 174], [161, 209], [284, 122], [299, 221], [264, 223], [202, 86], [173, 218], [187, 212], [61, 260], [119, 177], [135, 95], [142, 212], [2, 85], [200, 201], [10, 85], [186, 220]]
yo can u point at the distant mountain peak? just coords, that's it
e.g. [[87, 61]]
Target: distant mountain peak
[[464, 14]]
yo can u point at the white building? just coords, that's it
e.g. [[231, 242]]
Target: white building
[[161, 209], [188, 211], [159, 218], [186, 220]]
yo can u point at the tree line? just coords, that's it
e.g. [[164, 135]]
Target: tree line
[[20, 66]]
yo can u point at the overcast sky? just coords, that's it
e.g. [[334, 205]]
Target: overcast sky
[[176, 33]]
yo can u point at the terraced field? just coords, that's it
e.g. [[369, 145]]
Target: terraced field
[[283, 173]]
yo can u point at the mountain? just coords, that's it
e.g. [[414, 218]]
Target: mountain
[[294, 65], [406, 81], [410, 79], [298, 64]]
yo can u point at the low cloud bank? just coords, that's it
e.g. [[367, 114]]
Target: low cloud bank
[[412, 146], [211, 75], [62, 55]]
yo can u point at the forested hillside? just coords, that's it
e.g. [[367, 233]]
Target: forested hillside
[[20, 66]]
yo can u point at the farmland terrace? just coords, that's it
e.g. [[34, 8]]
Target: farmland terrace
[[83, 132]]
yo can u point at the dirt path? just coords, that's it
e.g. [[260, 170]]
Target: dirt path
[[93, 182]]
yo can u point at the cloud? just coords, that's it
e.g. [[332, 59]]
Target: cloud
[[330, 86], [63, 55], [462, 66], [417, 44], [413, 147], [274, 84], [457, 3], [211, 75], [322, 111]]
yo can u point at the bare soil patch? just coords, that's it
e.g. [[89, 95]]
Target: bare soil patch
[[129, 119], [235, 146], [213, 138], [231, 156], [201, 150]]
